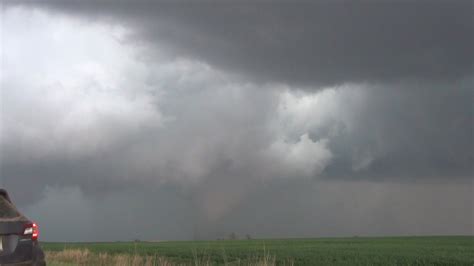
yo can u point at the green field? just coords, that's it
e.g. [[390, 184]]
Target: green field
[[446, 250]]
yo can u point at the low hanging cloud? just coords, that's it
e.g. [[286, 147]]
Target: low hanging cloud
[[220, 118], [115, 117], [303, 158], [281, 209]]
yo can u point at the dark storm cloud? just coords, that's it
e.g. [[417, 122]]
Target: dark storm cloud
[[417, 53], [406, 131], [325, 42], [207, 119]]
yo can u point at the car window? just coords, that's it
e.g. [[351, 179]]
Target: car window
[[7, 210]]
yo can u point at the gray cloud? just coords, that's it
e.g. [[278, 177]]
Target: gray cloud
[[404, 131], [325, 42], [224, 117], [282, 209]]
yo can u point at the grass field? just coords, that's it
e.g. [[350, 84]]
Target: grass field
[[446, 250]]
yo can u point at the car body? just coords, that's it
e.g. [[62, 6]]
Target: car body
[[18, 236]]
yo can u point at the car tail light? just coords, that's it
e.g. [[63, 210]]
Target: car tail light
[[31, 230]]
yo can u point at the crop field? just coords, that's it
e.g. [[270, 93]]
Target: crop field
[[446, 250]]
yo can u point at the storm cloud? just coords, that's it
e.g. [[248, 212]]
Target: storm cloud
[[324, 42], [210, 118]]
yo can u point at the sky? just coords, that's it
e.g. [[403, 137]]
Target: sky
[[160, 120]]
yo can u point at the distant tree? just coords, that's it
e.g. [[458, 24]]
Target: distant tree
[[233, 236]]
